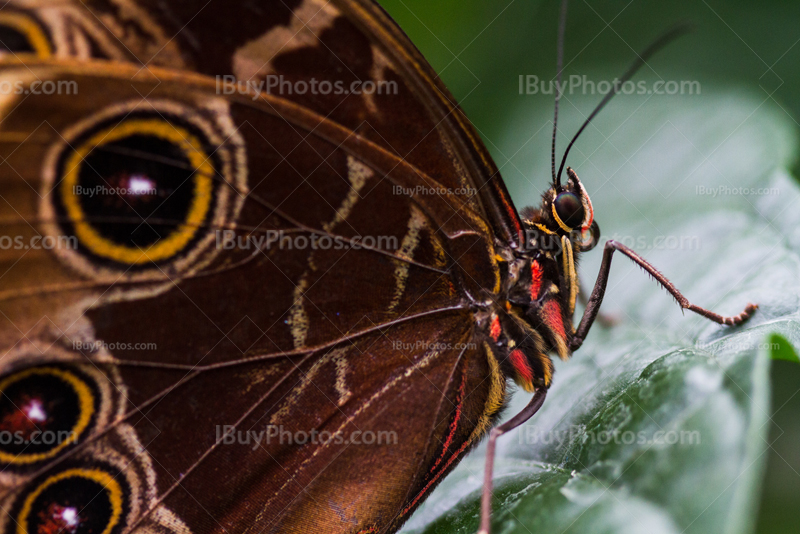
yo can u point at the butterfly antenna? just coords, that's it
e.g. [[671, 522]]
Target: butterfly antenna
[[562, 25], [665, 39]]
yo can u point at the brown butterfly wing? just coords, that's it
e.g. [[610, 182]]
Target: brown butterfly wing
[[346, 60], [239, 313], [231, 334], [340, 455]]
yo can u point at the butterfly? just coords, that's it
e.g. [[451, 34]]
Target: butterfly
[[260, 273]]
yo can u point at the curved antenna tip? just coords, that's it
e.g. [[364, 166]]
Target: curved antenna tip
[[672, 33]]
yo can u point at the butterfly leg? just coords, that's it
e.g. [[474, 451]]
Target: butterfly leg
[[486, 495], [606, 320], [593, 305]]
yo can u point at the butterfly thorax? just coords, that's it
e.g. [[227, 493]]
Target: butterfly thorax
[[541, 285]]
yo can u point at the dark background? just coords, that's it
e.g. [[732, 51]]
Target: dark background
[[481, 47]]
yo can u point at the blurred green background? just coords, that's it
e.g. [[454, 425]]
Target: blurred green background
[[482, 47]]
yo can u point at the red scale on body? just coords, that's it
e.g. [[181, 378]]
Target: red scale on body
[[536, 279], [520, 363], [495, 329], [522, 368], [551, 312]]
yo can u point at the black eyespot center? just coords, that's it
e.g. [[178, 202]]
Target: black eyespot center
[[145, 198], [569, 209], [78, 501], [22, 34], [137, 191], [13, 40], [43, 411]]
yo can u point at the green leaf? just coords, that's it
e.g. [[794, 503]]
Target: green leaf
[[658, 424], [699, 184], [782, 349]]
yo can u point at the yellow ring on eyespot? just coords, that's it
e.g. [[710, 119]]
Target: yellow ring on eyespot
[[558, 219], [85, 405], [30, 29], [166, 248], [101, 477]]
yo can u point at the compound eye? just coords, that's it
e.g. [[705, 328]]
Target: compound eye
[[589, 238], [569, 209]]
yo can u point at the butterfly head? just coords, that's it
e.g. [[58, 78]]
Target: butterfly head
[[566, 210]]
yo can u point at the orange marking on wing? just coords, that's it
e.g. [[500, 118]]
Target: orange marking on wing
[[454, 423], [522, 368], [512, 213], [536, 279], [455, 455], [451, 287], [495, 329]]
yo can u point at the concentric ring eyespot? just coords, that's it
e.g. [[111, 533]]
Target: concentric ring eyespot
[[76, 501], [21, 34], [43, 411], [139, 191]]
